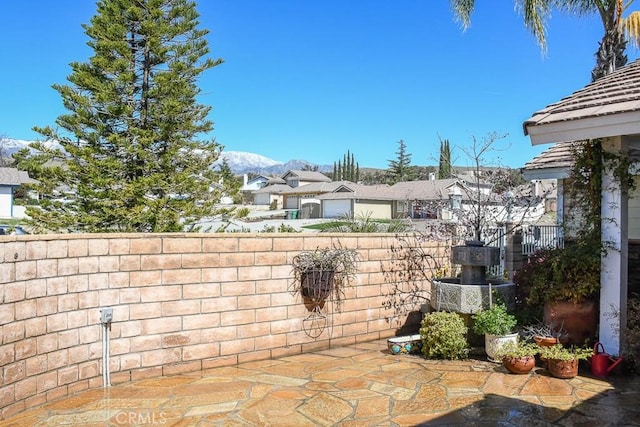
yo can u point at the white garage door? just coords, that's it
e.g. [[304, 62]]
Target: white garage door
[[292, 203], [336, 208]]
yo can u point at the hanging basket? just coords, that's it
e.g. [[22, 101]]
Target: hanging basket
[[317, 284]]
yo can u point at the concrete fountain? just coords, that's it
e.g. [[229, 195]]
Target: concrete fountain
[[472, 291]]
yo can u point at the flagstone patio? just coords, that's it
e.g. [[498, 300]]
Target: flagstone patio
[[359, 385]]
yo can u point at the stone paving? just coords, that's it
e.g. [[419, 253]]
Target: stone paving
[[359, 385]]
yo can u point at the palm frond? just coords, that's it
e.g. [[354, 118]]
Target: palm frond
[[631, 25]]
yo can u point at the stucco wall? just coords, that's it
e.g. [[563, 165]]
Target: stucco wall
[[182, 302], [6, 201]]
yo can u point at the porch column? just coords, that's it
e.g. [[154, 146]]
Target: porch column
[[613, 276]]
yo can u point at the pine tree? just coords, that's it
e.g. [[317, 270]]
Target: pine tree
[[132, 159], [399, 168]]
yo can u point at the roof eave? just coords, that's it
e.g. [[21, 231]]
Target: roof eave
[[588, 128], [545, 173]]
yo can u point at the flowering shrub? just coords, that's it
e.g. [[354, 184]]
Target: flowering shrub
[[569, 274]]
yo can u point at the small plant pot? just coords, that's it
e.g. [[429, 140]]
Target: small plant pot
[[519, 365], [563, 368], [493, 343]]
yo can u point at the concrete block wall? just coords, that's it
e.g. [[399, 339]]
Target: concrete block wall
[[181, 302]]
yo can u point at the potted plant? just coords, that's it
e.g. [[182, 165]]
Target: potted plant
[[444, 336], [497, 325], [565, 282], [323, 272], [543, 334], [518, 357], [562, 362]]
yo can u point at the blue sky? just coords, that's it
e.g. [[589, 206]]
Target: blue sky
[[312, 79]]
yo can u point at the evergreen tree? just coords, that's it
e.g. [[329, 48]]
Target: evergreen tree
[[352, 170], [131, 157], [346, 168], [399, 168], [444, 166]]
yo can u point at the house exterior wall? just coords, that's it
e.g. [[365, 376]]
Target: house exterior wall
[[634, 211], [374, 209], [6, 201], [181, 302]]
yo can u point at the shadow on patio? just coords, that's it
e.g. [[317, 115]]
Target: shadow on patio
[[362, 385]]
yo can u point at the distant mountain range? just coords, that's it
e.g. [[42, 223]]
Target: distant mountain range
[[240, 162]]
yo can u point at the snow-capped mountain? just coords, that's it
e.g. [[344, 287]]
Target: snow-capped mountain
[[240, 162], [10, 146], [244, 160]]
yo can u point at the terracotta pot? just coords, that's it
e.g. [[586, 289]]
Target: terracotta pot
[[563, 368], [579, 320], [519, 365], [545, 341]]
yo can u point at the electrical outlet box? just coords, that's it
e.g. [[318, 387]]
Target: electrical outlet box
[[106, 315]]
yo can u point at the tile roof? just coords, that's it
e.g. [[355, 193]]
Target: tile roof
[[307, 175], [358, 191], [612, 94], [13, 176], [272, 189], [560, 155], [437, 189], [316, 187]]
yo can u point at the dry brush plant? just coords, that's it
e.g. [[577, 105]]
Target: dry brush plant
[[416, 259]]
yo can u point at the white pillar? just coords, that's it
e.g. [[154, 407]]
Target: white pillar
[[614, 272]]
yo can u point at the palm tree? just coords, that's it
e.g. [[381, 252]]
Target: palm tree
[[618, 30]]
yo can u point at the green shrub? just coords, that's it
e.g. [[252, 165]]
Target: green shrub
[[494, 321], [444, 336], [632, 334]]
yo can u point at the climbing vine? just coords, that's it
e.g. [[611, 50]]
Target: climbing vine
[[591, 161]]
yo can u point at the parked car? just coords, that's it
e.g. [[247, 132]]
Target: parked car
[[12, 229]]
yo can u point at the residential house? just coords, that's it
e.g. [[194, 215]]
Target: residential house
[[10, 179], [298, 178], [254, 183], [354, 200], [609, 109], [429, 199], [271, 193], [305, 197]]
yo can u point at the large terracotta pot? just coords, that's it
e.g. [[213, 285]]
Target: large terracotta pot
[[579, 320], [519, 365], [563, 368]]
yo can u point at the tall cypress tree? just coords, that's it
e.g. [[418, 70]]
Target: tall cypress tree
[[444, 167], [132, 157]]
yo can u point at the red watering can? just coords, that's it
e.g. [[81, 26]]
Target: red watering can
[[601, 362]]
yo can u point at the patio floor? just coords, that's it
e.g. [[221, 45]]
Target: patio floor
[[359, 385]]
